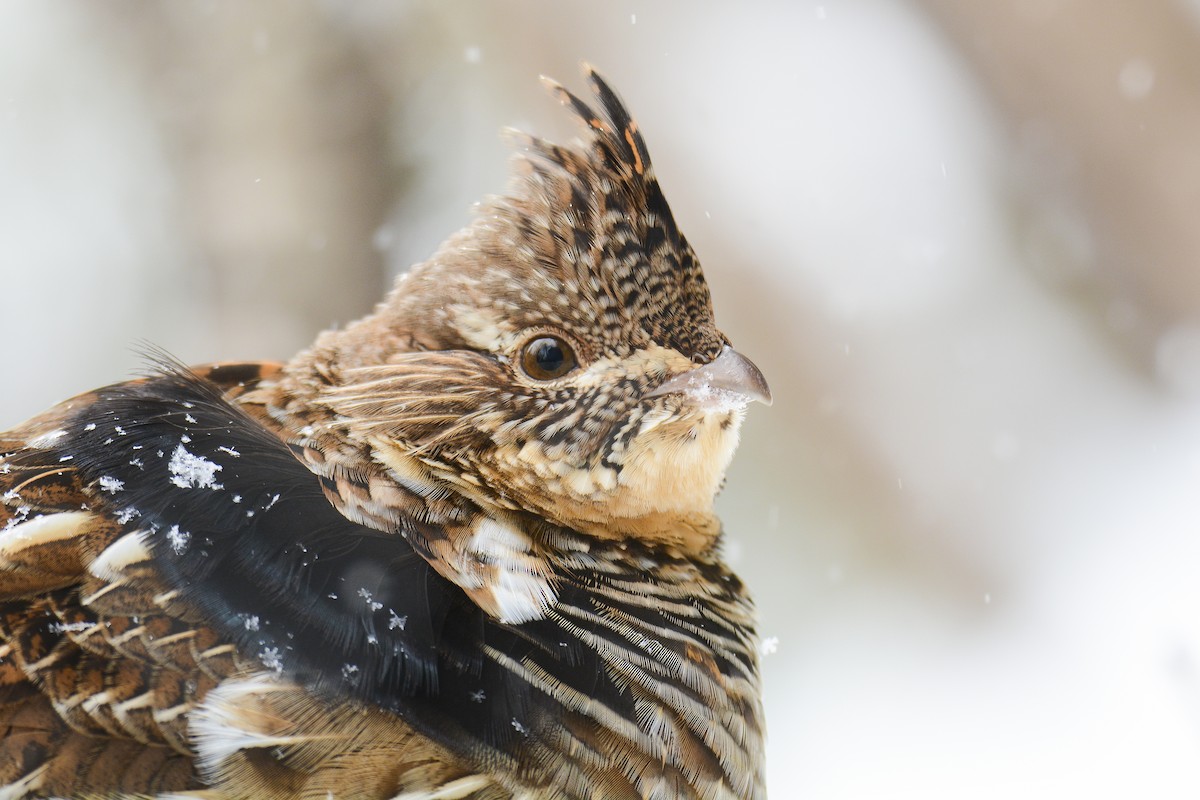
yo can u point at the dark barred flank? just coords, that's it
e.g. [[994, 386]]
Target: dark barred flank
[[463, 548]]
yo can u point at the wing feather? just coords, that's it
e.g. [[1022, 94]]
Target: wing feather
[[97, 668]]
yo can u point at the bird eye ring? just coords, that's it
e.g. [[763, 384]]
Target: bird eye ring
[[547, 357]]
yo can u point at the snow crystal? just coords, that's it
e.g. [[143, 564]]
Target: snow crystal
[[189, 419], [91, 426], [251, 622], [126, 514], [519, 728], [371, 604], [20, 516], [111, 485], [232, 451], [178, 539], [348, 670], [396, 621], [190, 471], [478, 696], [770, 645], [270, 658]]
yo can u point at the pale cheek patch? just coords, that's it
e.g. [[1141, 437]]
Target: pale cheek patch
[[591, 484]]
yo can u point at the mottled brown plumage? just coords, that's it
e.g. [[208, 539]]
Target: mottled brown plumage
[[463, 548]]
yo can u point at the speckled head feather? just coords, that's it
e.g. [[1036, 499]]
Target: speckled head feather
[[583, 253], [584, 239]]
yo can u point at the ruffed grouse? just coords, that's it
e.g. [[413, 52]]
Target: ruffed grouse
[[463, 548]]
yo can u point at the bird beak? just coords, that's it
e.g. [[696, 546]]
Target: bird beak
[[729, 372]]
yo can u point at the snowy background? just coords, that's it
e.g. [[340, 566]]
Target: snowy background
[[962, 240]]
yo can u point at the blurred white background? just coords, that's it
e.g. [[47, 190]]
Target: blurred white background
[[961, 239]]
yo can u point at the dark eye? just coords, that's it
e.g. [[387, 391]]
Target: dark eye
[[547, 358]]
